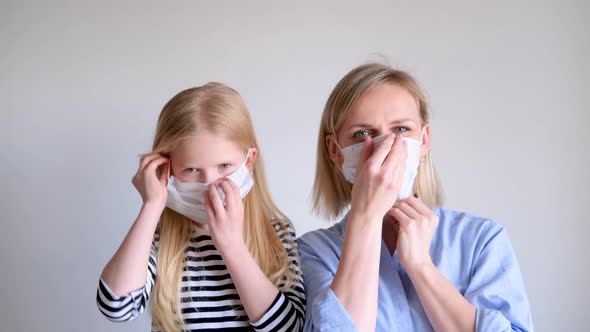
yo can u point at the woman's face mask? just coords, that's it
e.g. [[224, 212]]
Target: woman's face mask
[[188, 198], [352, 155]]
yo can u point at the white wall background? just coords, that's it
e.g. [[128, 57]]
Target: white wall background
[[81, 86]]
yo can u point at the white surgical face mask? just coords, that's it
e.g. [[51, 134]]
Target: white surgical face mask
[[187, 198], [352, 156]]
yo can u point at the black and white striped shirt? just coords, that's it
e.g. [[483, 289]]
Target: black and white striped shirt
[[209, 299]]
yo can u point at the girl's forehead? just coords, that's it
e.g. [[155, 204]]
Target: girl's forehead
[[206, 150]]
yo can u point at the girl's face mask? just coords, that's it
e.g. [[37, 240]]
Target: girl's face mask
[[188, 200]]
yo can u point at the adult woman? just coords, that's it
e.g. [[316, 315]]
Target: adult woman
[[397, 261]]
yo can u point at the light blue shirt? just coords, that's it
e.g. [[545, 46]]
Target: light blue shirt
[[473, 253]]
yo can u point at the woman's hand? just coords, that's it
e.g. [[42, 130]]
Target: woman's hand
[[446, 308], [225, 222], [379, 177], [150, 186], [416, 223], [376, 187]]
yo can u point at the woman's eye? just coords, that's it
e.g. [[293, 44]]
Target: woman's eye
[[191, 170], [401, 129], [225, 165], [361, 134]]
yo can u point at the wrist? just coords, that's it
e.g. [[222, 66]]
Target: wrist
[[364, 216], [154, 204], [152, 210], [232, 250], [364, 223], [420, 270]]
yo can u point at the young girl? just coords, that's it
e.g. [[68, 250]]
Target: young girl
[[209, 246]]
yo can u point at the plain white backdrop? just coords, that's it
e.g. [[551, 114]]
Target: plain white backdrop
[[82, 84]]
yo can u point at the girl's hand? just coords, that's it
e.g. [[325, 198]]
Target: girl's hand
[[417, 224], [150, 186], [225, 222], [379, 177]]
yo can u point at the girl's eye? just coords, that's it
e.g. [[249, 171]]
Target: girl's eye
[[191, 170], [225, 165], [401, 129], [361, 134]]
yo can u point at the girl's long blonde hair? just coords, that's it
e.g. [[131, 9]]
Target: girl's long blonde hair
[[331, 191], [220, 110]]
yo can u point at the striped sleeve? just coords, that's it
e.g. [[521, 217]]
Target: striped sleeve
[[287, 311], [129, 306]]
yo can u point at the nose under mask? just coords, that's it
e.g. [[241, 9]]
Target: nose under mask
[[187, 198], [352, 156]]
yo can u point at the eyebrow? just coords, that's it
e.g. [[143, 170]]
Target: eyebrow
[[364, 125], [192, 163]]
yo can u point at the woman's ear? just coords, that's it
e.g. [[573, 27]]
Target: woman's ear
[[334, 150], [251, 159], [425, 144]]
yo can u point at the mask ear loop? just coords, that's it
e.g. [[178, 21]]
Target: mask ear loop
[[341, 152], [242, 164], [238, 170], [422, 159], [334, 138], [246, 161], [169, 171]]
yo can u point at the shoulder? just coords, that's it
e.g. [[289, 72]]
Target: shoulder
[[465, 230], [284, 229], [323, 242], [459, 222]]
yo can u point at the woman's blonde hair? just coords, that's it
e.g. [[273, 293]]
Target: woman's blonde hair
[[220, 110], [331, 191]]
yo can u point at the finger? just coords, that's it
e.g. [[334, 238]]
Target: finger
[[418, 205], [366, 152], [396, 159], [236, 190], [392, 221], [382, 150], [401, 217], [215, 200], [154, 164], [229, 193], [210, 212], [145, 160], [389, 217], [390, 212], [407, 210]]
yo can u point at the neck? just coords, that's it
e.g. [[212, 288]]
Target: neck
[[389, 233], [200, 228]]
